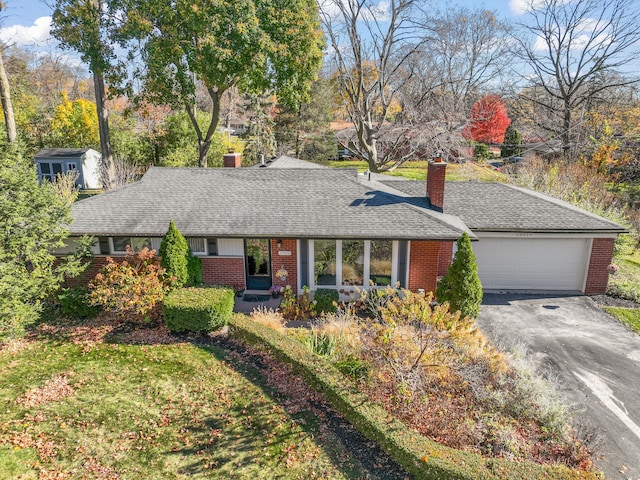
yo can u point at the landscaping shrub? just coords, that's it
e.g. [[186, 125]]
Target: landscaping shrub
[[298, 307], [461, 286], [75, 302], [131, 287], [194, 270], [198, 309], [420, 456], [326, 300], [174, 255], [270, 317]]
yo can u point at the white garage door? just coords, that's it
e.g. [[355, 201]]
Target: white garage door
[[532, 263]]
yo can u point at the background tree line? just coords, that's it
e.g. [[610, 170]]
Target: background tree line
[[406, 78]]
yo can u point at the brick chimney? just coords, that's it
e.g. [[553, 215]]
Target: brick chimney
[[435, 182], [232, 159]]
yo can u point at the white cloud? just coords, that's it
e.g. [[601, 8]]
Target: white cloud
[[37, 33], [520, 7]]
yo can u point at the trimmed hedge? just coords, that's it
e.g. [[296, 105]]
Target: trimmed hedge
[[421, 457], [324, 298], [198, 309]]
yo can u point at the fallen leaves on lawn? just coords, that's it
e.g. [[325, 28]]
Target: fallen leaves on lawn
[[297, 396], [55, 389], [14, 346]]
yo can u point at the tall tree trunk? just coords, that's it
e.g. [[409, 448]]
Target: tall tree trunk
[[566, 125], [7, 107], [204, 143], [103, 126]]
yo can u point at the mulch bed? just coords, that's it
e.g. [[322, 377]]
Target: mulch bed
[[609, 301]]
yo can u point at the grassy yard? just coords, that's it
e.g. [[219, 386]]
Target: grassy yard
[[417, 170], [629, 316], [75, 406], [626, 282]]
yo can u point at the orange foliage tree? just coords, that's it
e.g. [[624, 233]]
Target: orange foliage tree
[[488, 120]]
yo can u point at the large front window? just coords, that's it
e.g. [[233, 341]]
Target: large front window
[[352, 263], [136, 243], [380, 262], [325, 262]]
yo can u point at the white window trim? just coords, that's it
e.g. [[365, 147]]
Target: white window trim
[[158, 241], [366, 267], [205, 253]]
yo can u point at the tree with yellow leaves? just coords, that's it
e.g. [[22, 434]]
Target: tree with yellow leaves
[[75, 124]]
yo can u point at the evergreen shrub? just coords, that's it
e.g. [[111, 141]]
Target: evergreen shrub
[[174, 255], [461, 285]]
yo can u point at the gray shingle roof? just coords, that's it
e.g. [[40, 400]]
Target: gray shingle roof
[[62, 152], [292, 162], [487, 206], [259, 202]]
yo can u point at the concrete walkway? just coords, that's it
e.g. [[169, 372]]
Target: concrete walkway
[[242, 306], [595, 358]]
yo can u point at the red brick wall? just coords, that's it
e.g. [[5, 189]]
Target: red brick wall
[[445, 257], [435, 183], [601, 257], [288, 262], [85, 277], [223, 271], [423, 265]]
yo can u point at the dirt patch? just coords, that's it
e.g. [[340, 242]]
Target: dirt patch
[[609, 301]]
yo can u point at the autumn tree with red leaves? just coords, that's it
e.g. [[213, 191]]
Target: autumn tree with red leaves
[[488, 120]]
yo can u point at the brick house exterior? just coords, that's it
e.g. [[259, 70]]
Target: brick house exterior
[[337, 229]]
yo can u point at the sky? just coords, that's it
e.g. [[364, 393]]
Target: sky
[[27, 22]]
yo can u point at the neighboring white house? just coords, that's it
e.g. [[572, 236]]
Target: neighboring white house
[[86, 161]]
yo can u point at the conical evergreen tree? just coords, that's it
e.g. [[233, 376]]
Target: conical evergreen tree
[[174, 254], [461, 286], [512, 142]]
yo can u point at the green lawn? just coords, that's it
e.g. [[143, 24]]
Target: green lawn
[[107, 410], [629, 316], [626, 282], [417, 170]]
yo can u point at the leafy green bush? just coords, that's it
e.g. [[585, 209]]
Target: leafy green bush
[[76, 302], [421, 457], [174, 254], [326, 300], [198, 309], [461, 285]]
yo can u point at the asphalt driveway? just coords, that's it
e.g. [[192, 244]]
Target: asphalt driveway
[[595, 359]]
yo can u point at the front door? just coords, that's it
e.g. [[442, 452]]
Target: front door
[[257, 252]]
